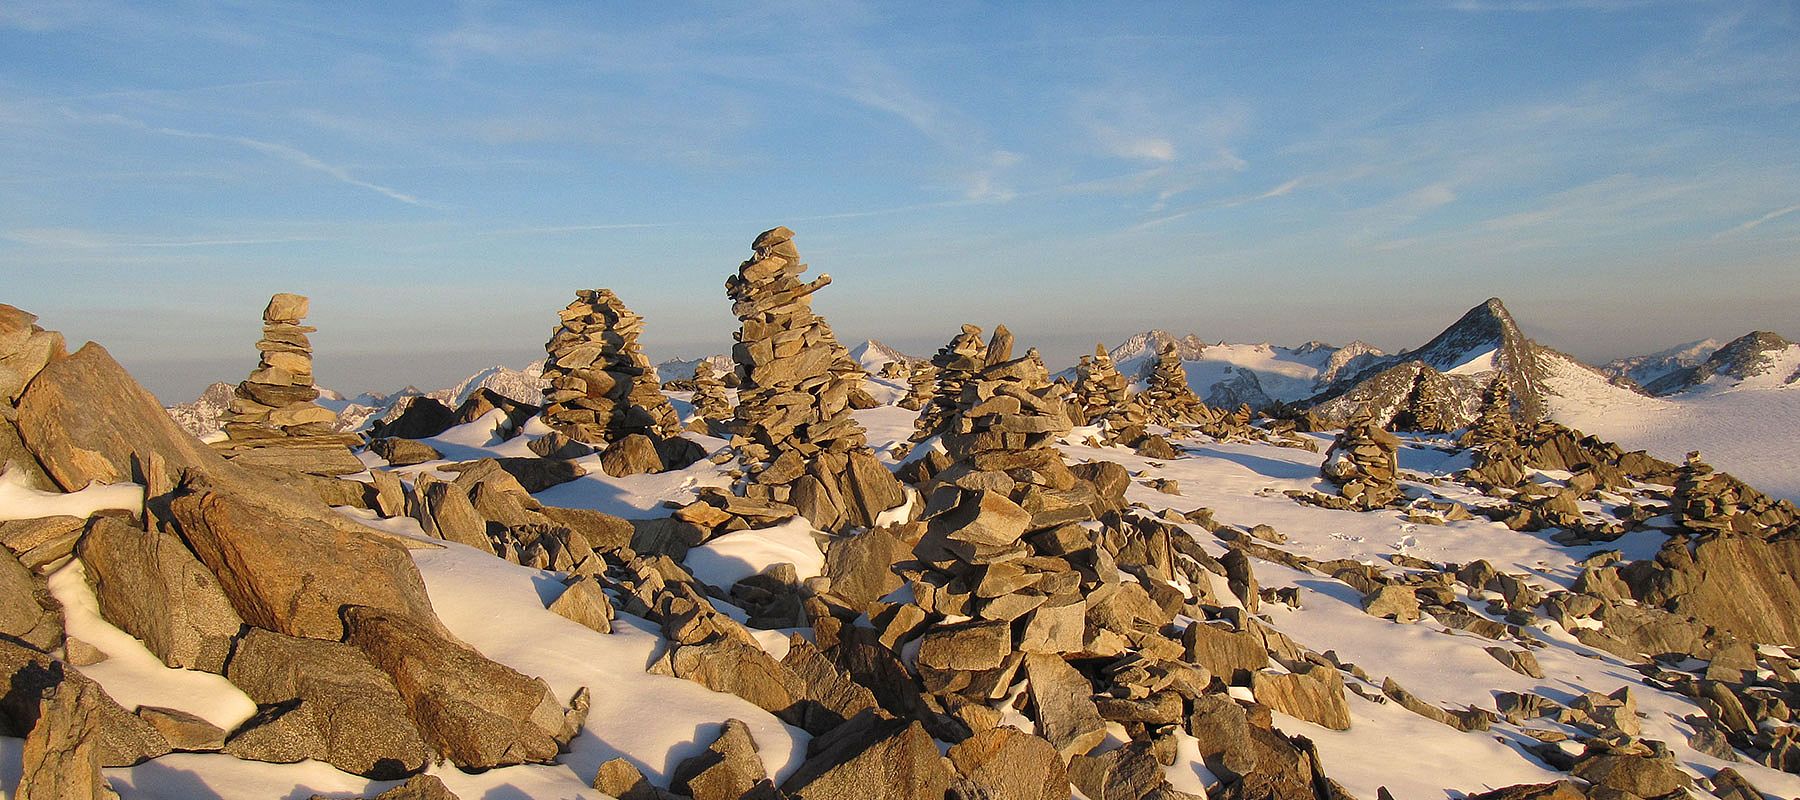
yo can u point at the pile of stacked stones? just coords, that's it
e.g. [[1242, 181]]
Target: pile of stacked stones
[[953, 364], [1706, 501], [273, 419], [896, 370], [1099, 388], [1364, 465], [1430, 406], [1026, 570], [601, 389], [801, 448], [921, 384], [712, 408], [1167, 398], [1495, 440]]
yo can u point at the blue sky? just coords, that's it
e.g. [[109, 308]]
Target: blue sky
[[440, 178]]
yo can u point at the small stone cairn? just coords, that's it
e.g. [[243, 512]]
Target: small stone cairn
[[1363, 464], [601, 389], [952, 366], [1167, 398], [1498, 459], [1099, 388], [273, 419], [712, 407]]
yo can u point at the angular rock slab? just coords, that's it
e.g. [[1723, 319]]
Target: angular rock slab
[[150, 586]]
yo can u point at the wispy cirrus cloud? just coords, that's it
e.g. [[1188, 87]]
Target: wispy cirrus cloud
[[1752, 224], [284, 152]]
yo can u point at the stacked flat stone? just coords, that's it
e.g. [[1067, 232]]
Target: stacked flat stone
[[273, 419], [1364, 465], [796, 437], [1709, 501], [1494, 438], [601, 387], [712, 408], [1099, 388], [1027, 571], [1167, 398], [921, 386], [953, 364], [277, 399]]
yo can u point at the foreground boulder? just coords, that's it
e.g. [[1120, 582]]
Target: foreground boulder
[[62, 755], [298, 582], [32, 677], [475, 712], [361, 723], [150, 586], [872, 759], [86, 420]]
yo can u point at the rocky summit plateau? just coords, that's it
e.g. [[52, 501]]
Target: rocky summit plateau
[[1475, 568]]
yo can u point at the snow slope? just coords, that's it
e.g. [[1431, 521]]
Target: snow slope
[[1749, 428]]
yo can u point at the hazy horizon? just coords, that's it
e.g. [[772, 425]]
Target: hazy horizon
[[1622, 172], [344, 366]]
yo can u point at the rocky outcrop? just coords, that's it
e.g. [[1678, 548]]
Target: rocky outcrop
[[151, 586], [1409, 396], [1745, 357]]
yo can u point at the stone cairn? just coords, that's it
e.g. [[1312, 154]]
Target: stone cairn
[[1099, 388], [1026, 570], [921, 384], [794, 433], [952, 366], [1167, 398], [1495, 440], [712, 408], [273, 419], [601, 389], [1709, 501], [1364, 466]]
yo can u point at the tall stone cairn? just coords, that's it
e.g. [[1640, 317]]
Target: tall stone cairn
[[795, 434], [712, 408], [953, 364], [1498, 458], [1099, 388], [1167, 398], [277, 399], [601, 387], [1363, 463]]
